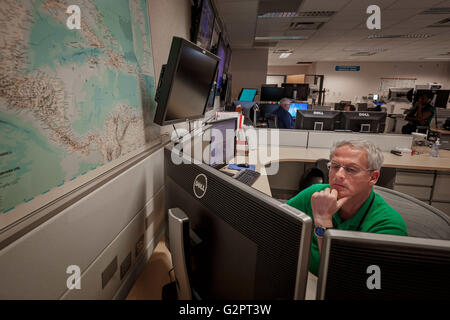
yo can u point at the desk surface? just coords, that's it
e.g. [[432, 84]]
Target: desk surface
[[262, 158]]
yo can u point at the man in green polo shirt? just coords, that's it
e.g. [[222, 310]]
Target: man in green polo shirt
[[420, 114], [348, 202]]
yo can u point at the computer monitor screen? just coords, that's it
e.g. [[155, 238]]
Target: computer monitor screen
[[247, 94], [227, 60], [215, 38], [249, 245], [225, 94], [206, 25], [366, 121], [294, 106], [272, 93], [267, 108], [298, 91], [317, 120], [360, 266], [375, 97], [185, 83], [221, 53], [441, 98], [222, 135]]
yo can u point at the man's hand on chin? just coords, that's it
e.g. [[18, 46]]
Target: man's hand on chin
[[324, 204]]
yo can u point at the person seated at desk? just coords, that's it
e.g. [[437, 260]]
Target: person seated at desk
[[420, 114], [348, 202], [284, 118]]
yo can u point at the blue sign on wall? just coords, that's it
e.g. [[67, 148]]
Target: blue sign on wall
[[347, 68]]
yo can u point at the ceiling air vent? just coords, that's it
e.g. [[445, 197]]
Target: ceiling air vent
[[265, 44], [306, 14], [304, 62], [278, 6], [396, 36], [305, 25], [443, 10], [363, 54], [283, 51], [445, 23]]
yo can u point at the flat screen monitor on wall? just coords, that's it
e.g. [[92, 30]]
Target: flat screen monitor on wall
[[206, 25], [221, 53], [185, 83]]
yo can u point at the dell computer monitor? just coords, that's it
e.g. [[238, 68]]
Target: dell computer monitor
[[366, 121], [294, 106], [317, 120], [245, 244], [359, 266], [185, 83], [248, 94], [267, 108], [206, 25], [271, 93], [297, 91]]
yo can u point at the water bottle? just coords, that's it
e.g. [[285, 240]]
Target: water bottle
[[435, 149]]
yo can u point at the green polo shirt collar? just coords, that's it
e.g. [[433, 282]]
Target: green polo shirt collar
[[353, 222]]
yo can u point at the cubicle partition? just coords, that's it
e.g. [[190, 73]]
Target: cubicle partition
[[386, 142]]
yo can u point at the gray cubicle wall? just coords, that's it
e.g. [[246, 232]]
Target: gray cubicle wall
[[286, 137], [386, 142], [109, 234]]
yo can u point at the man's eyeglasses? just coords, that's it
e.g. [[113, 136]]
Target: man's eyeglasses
[[351, 170]]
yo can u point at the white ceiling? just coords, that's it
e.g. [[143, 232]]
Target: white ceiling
[[343, 34]]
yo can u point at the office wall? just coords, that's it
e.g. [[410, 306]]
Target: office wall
[[287, 70], [346, 85], [168, 18], [249, 69]]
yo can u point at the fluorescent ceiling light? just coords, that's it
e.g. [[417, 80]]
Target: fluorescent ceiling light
[[285, 55], [437, 58]]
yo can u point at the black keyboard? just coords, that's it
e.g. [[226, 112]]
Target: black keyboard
[[247, 176]]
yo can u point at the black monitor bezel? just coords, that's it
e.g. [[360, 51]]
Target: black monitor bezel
[[198, 19], [167, 77], [269, 88]]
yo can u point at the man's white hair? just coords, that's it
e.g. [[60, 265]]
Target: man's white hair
[[285, 101], [375, 157]]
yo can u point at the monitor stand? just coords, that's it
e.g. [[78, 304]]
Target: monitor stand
[[179, 249], [365, 128], [318, 126]]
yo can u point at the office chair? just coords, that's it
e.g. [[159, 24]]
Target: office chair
[[272, 120], [421, 219], [316, 175]]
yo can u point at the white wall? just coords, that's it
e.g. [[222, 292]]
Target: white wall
[[346, 85], [249, 70]]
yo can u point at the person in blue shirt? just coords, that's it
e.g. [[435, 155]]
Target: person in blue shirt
[[284, 118]]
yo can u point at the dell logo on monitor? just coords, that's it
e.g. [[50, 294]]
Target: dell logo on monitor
[[363, 114], [200, 185], [318, 112]]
